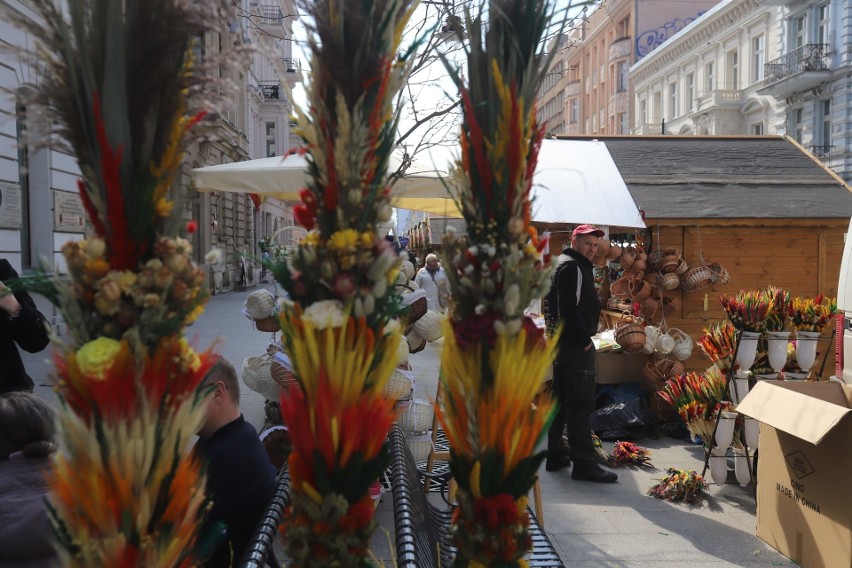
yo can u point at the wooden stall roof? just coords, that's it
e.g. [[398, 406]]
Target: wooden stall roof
[[725, 177]]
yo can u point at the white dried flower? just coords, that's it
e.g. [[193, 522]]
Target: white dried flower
[[369, 305], [355, 197], [391, 327], [379, 288], [474, 250], [511, 298], [325, 314], [479, 309], [489, 250], [513, 326]]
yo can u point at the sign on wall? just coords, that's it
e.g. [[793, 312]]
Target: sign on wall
[[10, 206], [68, 213]]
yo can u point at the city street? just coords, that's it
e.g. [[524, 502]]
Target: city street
[[591, 525]]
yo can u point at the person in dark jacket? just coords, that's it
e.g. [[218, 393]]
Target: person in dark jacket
[[27, 433], [22, 324], [240, 477], [578, 309]]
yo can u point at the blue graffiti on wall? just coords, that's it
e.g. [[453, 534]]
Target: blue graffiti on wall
[[650, 40]]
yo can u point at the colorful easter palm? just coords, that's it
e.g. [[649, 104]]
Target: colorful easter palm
[[120, 86], [338, 324], [494, 357]]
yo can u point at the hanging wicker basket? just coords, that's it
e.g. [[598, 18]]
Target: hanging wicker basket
[[283, 376], [654, 260], [720, 275], [428, 326], [661, 370], [416, 344], [260, 304], [630, 333], [619, 305], [420, 445], [402, 351], [256, 373], [603, 248], [682, 344], [670, 281], [696, 278], [651, 335], [614, 252], [650, 309], [670, 306], [398, 386], [670, 260], [655, 279], [664, 345], [638, 289], [269, 324], [682, 267]]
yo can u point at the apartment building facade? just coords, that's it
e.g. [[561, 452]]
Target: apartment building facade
[[811, 79], [707, 78], [40, 208], [590, 70]]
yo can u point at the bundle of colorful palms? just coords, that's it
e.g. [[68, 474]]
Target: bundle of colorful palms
[[494, 357], [121, 89], [339, 325]]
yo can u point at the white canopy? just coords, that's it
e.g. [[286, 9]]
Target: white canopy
[[576, 181]]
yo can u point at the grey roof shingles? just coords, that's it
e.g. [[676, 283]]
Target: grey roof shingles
[[726, 177]]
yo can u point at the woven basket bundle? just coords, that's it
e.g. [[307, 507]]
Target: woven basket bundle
[[398, 386], [260, 304], [420, 445], [417, 417], [696, 278], [682, 344], [630, 333], [428, 326]]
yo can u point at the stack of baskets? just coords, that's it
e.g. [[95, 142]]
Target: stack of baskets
[[415, 420], [400, 385], [261, 309]]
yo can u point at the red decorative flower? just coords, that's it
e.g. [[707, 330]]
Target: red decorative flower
[[475, 330], [191, 227]]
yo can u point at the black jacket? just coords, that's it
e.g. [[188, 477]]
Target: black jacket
[[29, 330], [579, 319]]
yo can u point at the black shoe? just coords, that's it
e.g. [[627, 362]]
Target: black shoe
[[591, 471], [557, 462]]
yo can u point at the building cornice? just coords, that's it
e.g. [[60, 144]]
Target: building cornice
[[726, 21]]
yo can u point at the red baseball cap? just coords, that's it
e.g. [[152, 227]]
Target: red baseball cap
[[587, 230]]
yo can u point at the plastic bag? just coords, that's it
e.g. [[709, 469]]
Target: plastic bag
[[622, 421]]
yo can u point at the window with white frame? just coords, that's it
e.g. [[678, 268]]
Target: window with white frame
[[673, 110], [732, 71], [690, 91], [621, 76], [758, 58], [270, 139], [821, 32], [796, 124], [709, 82], [824, 135], [575, 111], [798, 31]]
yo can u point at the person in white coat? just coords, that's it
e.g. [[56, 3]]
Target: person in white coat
[[433, 280]]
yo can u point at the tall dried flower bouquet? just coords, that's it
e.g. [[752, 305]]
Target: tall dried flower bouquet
[[121, 86], [494, 357], [339, 324]]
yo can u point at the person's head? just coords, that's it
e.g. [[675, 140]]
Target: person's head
[[223, 397], [585, 240], [432, 262], [27, 425]]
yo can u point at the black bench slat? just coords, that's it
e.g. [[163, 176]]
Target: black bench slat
[[261, 545], [421, 527]]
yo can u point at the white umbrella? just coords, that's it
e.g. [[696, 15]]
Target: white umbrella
[[575, 181]]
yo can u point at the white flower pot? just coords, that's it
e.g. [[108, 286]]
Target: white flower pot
[[778, 341], [742, 467], [718, 466], [739, 388], [806, 344], [748, 350], [752, 432], [725, 430]]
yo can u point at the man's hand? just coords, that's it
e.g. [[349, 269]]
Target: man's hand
[[587, 347], [8, 302]]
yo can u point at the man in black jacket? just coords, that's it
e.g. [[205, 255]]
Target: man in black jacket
[[240, 477], [578, 308], [21, 323]]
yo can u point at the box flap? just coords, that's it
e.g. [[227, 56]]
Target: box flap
[[792, 411]]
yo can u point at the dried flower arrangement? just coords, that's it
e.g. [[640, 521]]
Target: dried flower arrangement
[[680, 485], [815, 314], [697, 397]]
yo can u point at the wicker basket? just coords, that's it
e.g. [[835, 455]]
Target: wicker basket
[[664, 345], [682, 267], [670, 306], [256, 373], [696, 278], [654, 260], [619, 305], [420, 445], [600, 261], [283, 376], [683, 344], [417, 417], [650, 309], [260, 304], [720, 275], [603, 248], [655, 279], [627, 258], [651, 335], [640, 264], [630, 333], [402, 353], [669, 260], [614, 252], [416, 344], [660, 370], [269, 324], [638, 289], [670, 281], [429, 326], [398, 386]]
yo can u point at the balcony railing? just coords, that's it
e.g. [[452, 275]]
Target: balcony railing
[[720, 97], [292, 65], [620, 48], [271, 15], [822, 152], [271, 91], [810, 57], [572, 88]]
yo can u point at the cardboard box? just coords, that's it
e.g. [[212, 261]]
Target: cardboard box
[[804, 472]]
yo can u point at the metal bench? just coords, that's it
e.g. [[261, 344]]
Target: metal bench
[[422, 528], [259, 553]]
